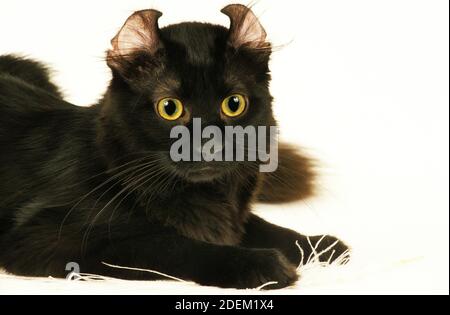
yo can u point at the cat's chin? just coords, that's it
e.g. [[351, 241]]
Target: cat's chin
[[204, 174]]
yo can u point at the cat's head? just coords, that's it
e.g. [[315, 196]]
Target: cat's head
[[164, 77]]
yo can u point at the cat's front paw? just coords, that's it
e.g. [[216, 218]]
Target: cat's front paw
[[268, 268], [324, 249]]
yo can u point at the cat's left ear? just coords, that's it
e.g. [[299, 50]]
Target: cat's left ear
[[140, 33], [245, 28]]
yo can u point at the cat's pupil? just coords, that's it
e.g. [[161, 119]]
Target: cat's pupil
[[233, 103], [170, 107]]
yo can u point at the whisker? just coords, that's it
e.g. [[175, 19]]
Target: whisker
[[85, 238], [87, 195]]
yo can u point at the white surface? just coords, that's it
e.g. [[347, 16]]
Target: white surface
[[363, 85]]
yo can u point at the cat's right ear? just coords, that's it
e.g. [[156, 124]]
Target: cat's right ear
[[140, 33]]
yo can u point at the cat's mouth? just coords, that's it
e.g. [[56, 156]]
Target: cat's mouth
[[199, 172], [204, 173]]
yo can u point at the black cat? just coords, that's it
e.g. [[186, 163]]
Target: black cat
[[97, 184]]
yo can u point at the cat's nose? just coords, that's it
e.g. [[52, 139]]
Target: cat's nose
[[217, 148]]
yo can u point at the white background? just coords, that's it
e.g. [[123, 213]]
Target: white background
[[361, 85]]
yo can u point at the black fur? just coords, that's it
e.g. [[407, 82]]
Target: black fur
[[92, 185], [29, 71]]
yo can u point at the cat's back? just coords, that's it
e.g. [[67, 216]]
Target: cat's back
[[27, 111], [27, 96], [20, 97], [30, 71], [36, 124], [40, 136], [26, 87]]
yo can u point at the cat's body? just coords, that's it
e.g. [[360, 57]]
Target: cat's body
[[93, 185]]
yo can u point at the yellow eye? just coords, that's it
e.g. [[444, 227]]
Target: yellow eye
[[170, 108], [234, 105]]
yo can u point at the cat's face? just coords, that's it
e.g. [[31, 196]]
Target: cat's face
[[164, 78]]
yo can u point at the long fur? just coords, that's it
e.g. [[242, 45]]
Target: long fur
[[293, 180]]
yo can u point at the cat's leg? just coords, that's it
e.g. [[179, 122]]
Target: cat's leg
[[30, 71], [204, 263], [262, 234], [157, 249]]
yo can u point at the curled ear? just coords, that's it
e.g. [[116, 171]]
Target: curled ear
[[139, 33], [245, 28]]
